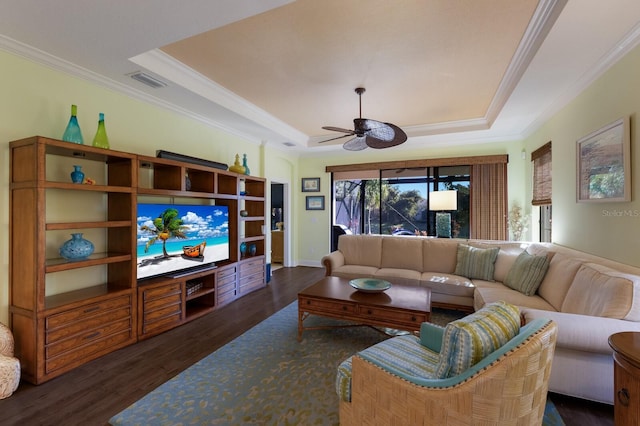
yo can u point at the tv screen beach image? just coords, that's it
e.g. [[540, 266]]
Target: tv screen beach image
[[174, 237]]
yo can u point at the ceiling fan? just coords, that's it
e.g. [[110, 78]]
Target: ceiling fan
[[369, 133]]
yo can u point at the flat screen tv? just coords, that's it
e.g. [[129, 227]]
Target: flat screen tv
[[175, 238]]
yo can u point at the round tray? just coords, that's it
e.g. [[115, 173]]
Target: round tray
[[370, 285]]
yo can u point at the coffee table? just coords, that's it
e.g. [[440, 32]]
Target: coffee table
[[400, 307]]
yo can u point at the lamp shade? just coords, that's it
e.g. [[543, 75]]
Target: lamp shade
[[443, 200]]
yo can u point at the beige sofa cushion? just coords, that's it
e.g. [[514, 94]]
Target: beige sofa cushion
[[599, 291], [489, 292], [399, 276], [447, 284], [439, 255], [365, 250], [402, 252], [562, 269]]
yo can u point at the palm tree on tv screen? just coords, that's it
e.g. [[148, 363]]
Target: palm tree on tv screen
[[166, 226]]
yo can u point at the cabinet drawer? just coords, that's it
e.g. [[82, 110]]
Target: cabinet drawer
[[87, 325], [226, 272], [161, 302], [224, 298], [251, 267], [87, 311], [327, 306], [162, 323], [409, 318], [88, 336], [229, 280], [167, 311], [161, 291], [87, 352]]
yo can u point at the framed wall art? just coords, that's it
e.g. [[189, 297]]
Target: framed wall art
[[311, 184], [604, 164], [315, 202]]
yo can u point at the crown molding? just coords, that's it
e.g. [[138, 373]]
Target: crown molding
[[541, 22], [53, 62], [175, 71], [626, 44]]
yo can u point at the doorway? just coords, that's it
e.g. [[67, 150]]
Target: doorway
[[278, 221]]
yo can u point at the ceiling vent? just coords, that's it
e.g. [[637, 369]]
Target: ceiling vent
[[147, 79]]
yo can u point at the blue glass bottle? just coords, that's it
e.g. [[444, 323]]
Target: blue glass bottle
[[73, 133]]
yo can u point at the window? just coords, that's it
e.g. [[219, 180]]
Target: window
[[541, 159]]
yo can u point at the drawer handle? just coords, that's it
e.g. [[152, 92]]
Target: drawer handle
[[413, 319], [92, 335], [623, 397], [369, 311], [308, 302], [92, 309]]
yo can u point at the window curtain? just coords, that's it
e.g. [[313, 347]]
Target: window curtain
[[541, 158], [489, 201]]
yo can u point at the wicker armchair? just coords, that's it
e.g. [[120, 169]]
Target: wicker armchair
[[9, 366], [507, 388]]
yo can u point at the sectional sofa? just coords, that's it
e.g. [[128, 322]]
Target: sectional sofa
[[589, 297]]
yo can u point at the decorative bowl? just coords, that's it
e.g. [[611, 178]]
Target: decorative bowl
[[370, 285]]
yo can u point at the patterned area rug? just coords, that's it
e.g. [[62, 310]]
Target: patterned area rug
[[266, 377]]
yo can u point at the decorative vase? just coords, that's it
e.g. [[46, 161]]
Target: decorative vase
[[243, 249], [244, 164], [252, 250], [244, 213], [100, 140], [76, 248], [72, 133], [237, 167], [187, 182], [77, 175]]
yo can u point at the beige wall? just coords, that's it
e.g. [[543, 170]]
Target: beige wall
[[611, 230]]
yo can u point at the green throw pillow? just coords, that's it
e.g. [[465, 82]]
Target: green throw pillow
[[475, 262], [527, 273]]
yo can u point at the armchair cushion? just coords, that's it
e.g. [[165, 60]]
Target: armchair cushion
[[470, 339]]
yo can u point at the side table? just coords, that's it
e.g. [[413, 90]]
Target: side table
[[626, 382]]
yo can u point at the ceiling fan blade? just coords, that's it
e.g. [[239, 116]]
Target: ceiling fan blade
[[398, 137], [356, 144], [339, 137], [338, 129]]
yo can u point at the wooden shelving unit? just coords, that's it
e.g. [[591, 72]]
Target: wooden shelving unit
[[65, 313]]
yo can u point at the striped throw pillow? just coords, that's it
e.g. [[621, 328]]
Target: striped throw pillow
[[527, 273], [468, 340], [473, 262]]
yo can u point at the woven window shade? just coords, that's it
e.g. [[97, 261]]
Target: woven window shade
[[541, 158], [489, 201]]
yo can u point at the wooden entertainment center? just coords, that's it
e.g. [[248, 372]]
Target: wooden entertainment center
[[65, 313]]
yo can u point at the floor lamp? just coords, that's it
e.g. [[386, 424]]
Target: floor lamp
[[440, 201]]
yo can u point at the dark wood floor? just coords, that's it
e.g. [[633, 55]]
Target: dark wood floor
[[93, 393]]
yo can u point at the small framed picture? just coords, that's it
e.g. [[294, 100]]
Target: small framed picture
[[315, 202], [311, 184]]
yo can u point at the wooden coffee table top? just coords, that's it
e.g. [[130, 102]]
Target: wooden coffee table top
[[398, 296]]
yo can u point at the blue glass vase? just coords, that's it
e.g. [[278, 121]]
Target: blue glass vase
[[252, 250], [72, 133], [244, 164], [243, 249], [77, 175], [77, 248]]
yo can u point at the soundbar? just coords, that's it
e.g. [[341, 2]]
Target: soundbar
[[187, 159]]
